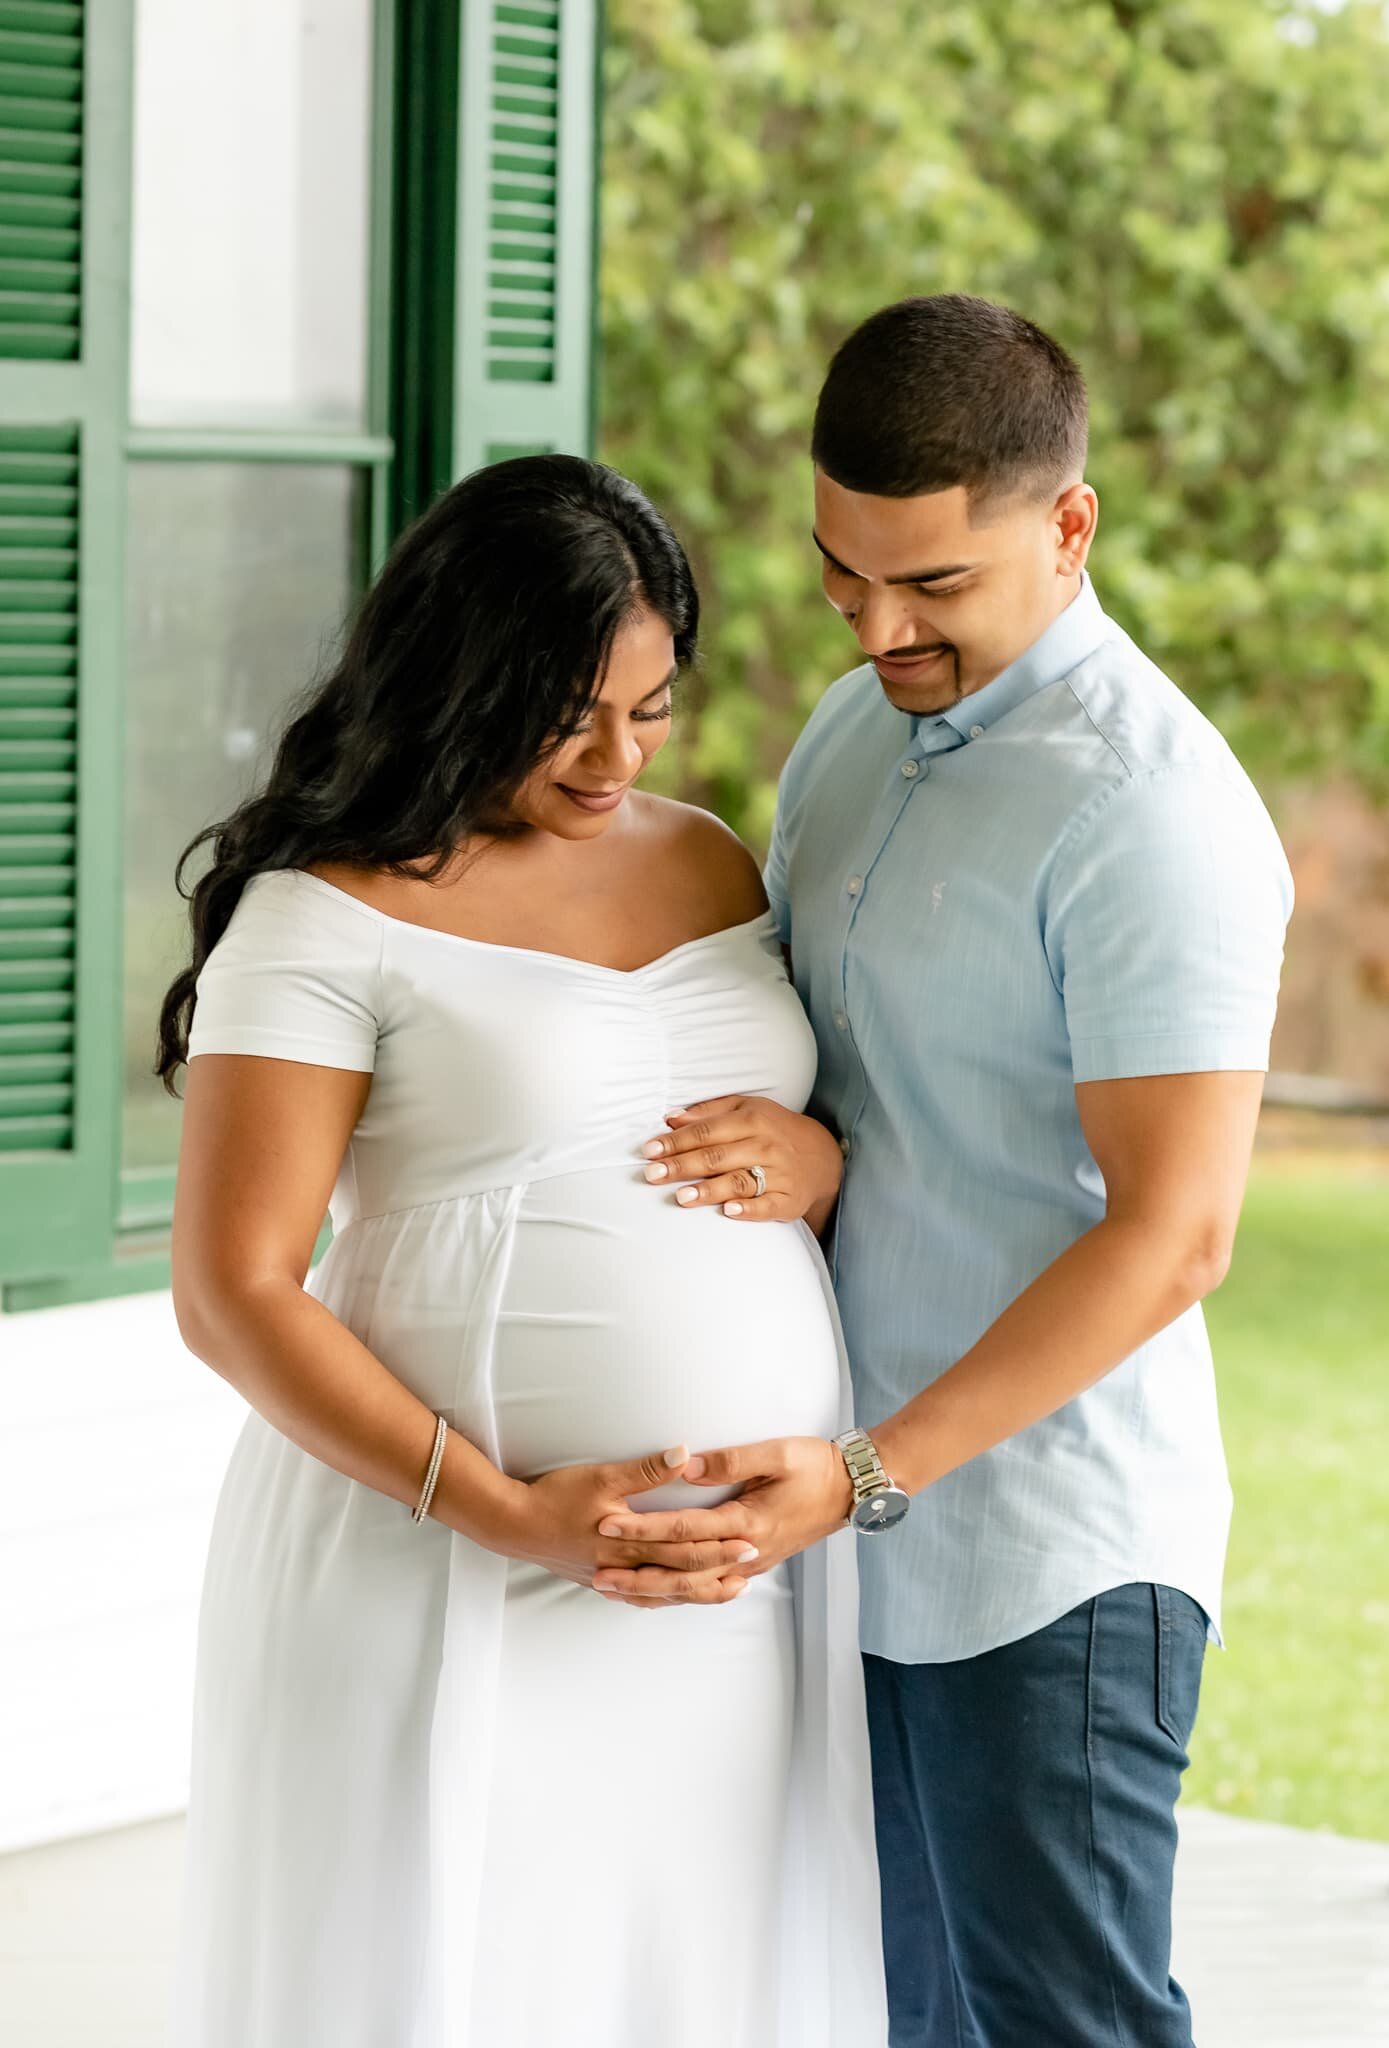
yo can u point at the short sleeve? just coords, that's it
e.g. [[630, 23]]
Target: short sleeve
[[774, 877], [295, 976], [1165, 923]]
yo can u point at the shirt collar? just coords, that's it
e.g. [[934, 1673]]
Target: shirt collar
[[1066, 642]]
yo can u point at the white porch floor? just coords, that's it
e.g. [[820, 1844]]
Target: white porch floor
[[1282, 1937]]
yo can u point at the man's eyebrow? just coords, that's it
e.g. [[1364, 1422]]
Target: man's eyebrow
[[920, 576]]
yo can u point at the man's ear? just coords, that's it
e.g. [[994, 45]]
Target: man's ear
[[1076, 514]]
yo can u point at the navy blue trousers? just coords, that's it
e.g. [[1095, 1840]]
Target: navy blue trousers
[[1026, 1833]]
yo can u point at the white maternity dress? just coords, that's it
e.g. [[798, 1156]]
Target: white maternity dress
[[441, 1799]]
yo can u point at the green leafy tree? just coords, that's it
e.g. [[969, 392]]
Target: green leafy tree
[[1193, 195]]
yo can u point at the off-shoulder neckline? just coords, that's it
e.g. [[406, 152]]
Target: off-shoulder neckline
[[764, 920]]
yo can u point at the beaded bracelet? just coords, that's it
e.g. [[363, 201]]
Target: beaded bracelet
[[431, 1477]]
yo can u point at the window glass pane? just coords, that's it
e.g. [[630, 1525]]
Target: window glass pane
[[240, 578], [252, 122]]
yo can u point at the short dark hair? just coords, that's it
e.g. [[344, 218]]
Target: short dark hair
[[936, 392]]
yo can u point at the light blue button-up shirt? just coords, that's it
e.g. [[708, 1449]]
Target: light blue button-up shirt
[[1066, 877]]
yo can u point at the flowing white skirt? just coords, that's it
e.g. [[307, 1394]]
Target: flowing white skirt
[[445, 1800]]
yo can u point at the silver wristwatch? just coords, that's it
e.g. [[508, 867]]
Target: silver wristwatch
[[878, 1504]]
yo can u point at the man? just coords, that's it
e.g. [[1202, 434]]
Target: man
[[1036, 912]]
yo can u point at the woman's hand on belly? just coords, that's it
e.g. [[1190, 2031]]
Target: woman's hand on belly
[[793, 1491], [714, 1146], [554, 1523]]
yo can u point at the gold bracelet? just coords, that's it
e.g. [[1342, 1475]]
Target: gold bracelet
[[431, 1477]]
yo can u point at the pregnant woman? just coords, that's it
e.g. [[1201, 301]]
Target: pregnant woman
[[450, 972]]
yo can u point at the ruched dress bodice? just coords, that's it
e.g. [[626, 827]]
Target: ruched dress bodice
[[493, 1065], [496, 1246]]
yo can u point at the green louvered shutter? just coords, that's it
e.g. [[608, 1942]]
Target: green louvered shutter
[[64, 144], [38, 786], [525, 277], [40, 179]]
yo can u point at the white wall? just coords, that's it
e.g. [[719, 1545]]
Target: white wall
[[252, 127], [249, 296], [113, 1441]]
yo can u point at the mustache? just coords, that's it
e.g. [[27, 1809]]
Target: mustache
[[945, 647]]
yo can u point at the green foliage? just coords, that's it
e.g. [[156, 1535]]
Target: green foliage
[[1193, 195], [1294, 1721]]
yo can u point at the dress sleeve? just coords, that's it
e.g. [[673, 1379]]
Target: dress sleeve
[[295, 976], [1165, 928]]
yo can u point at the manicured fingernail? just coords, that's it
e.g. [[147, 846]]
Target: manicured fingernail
[[679, 1457], [694, 1467], [686, 1195], [657, 1172], [747, 1556], [732, 1208], [610, 1528], [654, 1150], [673, 1116]]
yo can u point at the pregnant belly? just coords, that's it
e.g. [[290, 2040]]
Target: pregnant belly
[[629, 1324]]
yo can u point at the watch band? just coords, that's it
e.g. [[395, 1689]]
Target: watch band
[[866, 1471]]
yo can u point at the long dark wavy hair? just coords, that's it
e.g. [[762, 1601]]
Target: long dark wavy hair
[[476, 653]]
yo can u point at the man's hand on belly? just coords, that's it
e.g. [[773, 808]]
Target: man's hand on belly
[[795, 1490], [553, 1521]]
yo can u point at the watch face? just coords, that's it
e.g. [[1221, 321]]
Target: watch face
[[881, 1510]]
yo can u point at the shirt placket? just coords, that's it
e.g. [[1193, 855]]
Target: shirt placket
[[910, 773]]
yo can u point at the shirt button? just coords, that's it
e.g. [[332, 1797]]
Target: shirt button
[[976, 732], [841, 1022], [855, 884], [911, 769], [844, 1146]]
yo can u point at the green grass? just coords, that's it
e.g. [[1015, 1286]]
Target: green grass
[[1294, 1721]]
